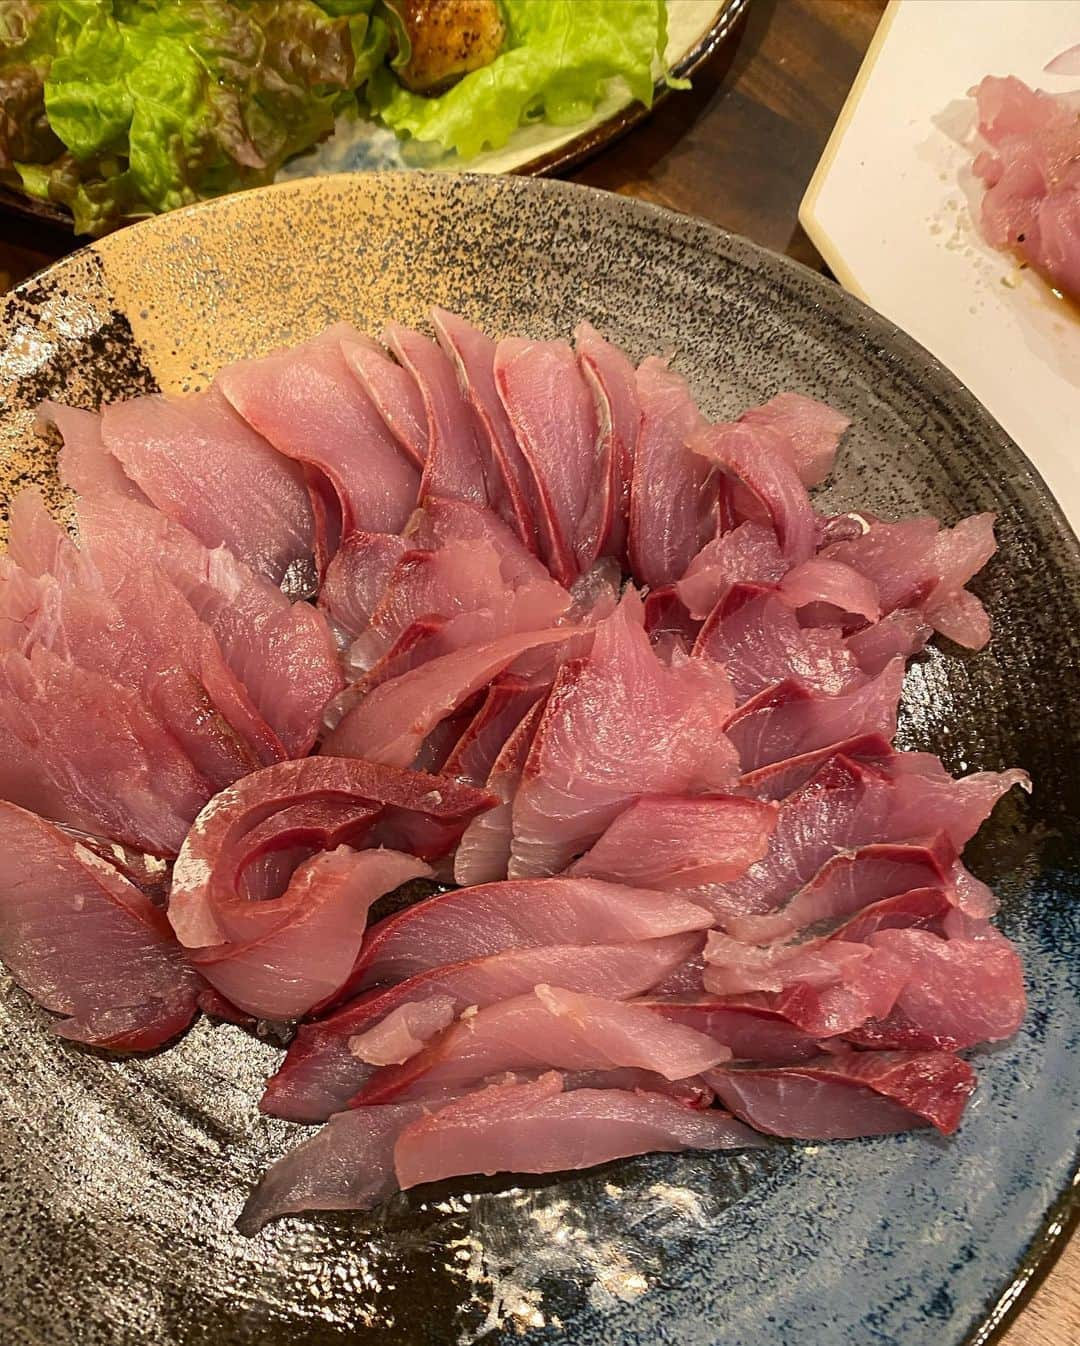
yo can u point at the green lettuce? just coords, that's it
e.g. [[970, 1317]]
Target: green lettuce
[[558, 59], [159, 103]]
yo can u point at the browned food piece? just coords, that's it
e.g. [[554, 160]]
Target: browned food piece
[[448, 39]]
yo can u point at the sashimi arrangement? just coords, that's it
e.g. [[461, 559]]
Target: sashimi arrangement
[[1030, 168], [514, 619]]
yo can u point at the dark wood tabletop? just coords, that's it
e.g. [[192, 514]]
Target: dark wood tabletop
[[738, 150]]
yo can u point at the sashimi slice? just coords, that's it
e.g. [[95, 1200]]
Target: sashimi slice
[[788, 721], [395, 394], [80, 749], [809, 430], [748, 554], [404, 1031], [469, 923], [285, 971], [307, 404], [613, 382], [206, 907], [508, 700], [757, 637], [484, 852], [671, 500], [779, 779], [281, 652], [321, 1072], [899, 635], [357, 576], [959, 992], [834, 585], [86, 943], [674, 843], [847, 883], [391, 722], [84, 464], [752, 456], [619, 724], [848, 803], [202, 465], [472, 354], [857, 1094], [536, 1128], [549, 1027], [751, 1031], [551, 412], [455, 465], [348, 1165]]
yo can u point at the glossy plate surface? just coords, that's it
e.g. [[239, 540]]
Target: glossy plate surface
[[119, 1181]]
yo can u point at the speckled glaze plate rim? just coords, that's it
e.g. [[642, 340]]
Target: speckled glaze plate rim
[[563, 157], [1063, 1213]]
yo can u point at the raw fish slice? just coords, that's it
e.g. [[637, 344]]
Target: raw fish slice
[[963, 619], [671, 499], [484, 852], [753, 457], [755, 634], [357, 576], [899, 635], [780, 779], [673, 843], [835, 586], [84, 464], [205, 908], [404, 1031], [40, 547], [789, 721], [86, 943], [847, 883], [550, 409], [472, 353], [321, 1073], [810, 431], [857, 1094], [308, 405], [508, 700], [668, 623], [613, 382], [133, 621], [549, 1027], [348, 1165], [285, 971], [959, 992], [281, 652], [391, 722], [203, 466], [748, 554], [849, 803], [536, 1128], [752, 1032], [81, 749], [455, 465], [464, 576], [470, 923], [395, 395], [618, 725]]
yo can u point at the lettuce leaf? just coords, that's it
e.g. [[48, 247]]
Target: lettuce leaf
[[559, 57], [158, 103]]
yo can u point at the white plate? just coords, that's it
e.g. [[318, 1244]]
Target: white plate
[[888, 208]]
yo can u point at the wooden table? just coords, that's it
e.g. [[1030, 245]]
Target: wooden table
[[738, 150]]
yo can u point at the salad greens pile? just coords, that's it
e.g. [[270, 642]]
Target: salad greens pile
[[121, 108]]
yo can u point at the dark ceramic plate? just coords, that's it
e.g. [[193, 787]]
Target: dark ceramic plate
[[120, 1180], [696, 29]]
